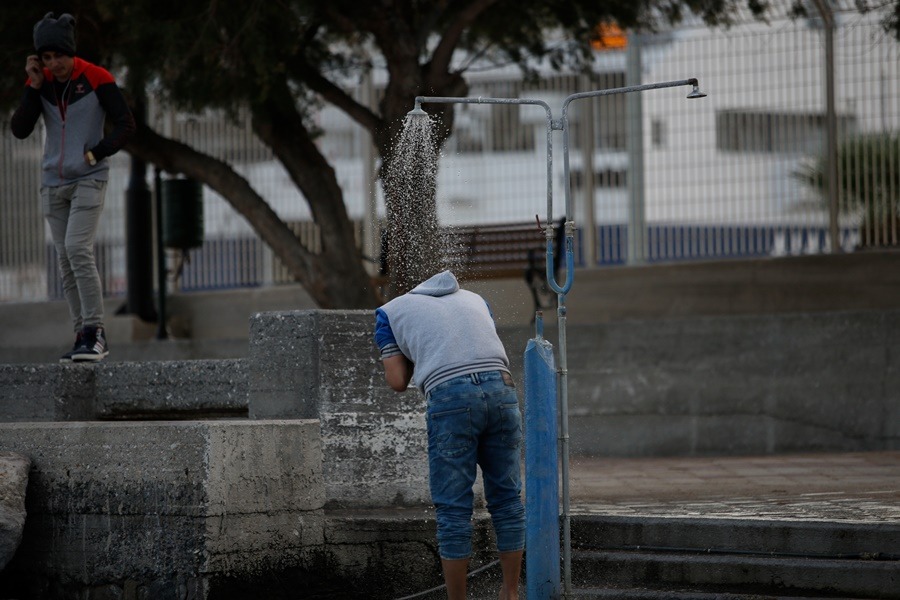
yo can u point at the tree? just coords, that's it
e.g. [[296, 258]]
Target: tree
[[277, 59]]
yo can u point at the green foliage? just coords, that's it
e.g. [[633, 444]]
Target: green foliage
[[868, 181], [205, 53], [869, 172]]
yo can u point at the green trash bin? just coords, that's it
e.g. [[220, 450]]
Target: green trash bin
[[182, 213]]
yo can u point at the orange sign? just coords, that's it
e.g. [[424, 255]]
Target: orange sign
[[608, 36]]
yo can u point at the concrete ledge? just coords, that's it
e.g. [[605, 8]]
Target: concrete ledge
[[857, 281], [814, 539], [166, 504], [14, 470], [159, 390], [207, 388], [755, 576]]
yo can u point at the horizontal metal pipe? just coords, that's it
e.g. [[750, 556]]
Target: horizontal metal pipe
[[632, 88], [481, 100]]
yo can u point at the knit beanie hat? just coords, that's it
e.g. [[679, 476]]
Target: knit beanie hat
[[55, 34]]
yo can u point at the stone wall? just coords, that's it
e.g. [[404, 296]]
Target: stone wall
[[738, 385], [158, 507]]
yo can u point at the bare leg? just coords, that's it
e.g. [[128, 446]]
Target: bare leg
[[511, 565], [455, 572]]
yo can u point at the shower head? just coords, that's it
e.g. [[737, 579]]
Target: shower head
[[417, 111], [696, 93]]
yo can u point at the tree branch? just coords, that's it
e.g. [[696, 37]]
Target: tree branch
[[335, 95], [345, 25], [280, 126], [443, 53]]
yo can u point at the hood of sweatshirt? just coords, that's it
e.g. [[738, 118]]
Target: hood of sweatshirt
[[438, 285]]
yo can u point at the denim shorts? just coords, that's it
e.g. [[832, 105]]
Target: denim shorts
[[475, 420]]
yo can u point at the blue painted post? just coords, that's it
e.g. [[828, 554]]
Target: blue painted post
[[541, 474]]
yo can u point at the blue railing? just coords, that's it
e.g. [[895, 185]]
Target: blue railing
[[673, 243]]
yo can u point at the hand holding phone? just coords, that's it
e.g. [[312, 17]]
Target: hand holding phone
[[35, 70]]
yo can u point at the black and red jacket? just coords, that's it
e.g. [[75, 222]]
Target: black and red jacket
[[74, 115]]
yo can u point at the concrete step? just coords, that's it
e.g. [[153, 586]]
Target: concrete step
[[737, 574], [684, 558], [817, 539], [669, 594], [131, 351], [157, 390]]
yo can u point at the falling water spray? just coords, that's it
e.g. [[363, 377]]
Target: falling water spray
[[417, 246]]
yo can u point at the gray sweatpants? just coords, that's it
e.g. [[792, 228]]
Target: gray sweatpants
[[73, 213]]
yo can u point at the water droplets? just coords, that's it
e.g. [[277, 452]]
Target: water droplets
[[417, 246]]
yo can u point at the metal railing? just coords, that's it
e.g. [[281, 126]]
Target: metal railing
[[747, 184]]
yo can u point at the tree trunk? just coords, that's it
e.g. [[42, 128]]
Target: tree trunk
[[340, 265], [329, 287]]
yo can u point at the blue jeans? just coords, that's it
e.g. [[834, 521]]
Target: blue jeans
[[475, 419]]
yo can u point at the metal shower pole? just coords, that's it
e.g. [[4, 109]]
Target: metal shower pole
[[561, 290]]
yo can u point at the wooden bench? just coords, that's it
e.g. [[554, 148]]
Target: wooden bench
[[509, 250]]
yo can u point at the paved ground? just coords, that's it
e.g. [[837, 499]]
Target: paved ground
[[862, 486]]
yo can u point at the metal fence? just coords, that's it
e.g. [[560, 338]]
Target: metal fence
[[735, 175]]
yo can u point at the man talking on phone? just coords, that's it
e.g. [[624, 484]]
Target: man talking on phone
[[75, 98]]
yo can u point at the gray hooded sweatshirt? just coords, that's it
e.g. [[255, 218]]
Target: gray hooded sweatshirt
[[445, 331], [74, 113]]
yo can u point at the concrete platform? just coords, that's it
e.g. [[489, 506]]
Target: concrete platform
[[841, 487], [783, 526]]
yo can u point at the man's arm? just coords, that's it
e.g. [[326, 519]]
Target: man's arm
[[24, 119], [123, 125], [398, 371]]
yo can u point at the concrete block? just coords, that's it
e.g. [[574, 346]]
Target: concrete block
[[171, 389], [51, 392], [13, 482], [284, 361], [324, 364], [120, 390], [171, 502]]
